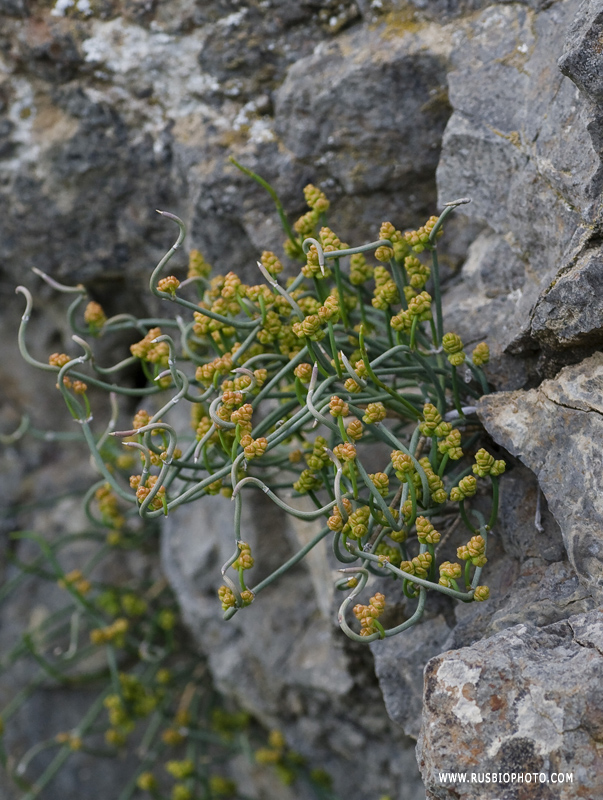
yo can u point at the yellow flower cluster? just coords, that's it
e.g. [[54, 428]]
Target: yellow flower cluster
[[168, 285], [467, 487], [142, 492], [386, 292], [345, 452], [449, 572], [473, 551], [253, 448], [114, 633], [197, 265], [94, 316], [245, 559], [59, 360], [375, 412], [107, 505], [368, 614], [420, 565], [453, 346], [147, 350], [335, 521], [76, 580], [227, 597], [426, 533], [419, 239], [338, 407], [485, 464]]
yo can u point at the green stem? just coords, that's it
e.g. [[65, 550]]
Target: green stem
[[495, 498], [413, 331], [468, 573], [295, 559], [279, 206], [437, 296], [455, 391], [339, 283], [334, 350], [465, 518]]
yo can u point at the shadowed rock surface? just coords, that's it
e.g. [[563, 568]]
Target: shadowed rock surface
[[556, 431]]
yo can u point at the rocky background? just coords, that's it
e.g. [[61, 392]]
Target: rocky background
[[110, 109]]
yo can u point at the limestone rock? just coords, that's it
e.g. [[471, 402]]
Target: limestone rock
[[105, 116], [399, 664], [391, 82], [581, 59], [282, 658], [528, 577], [568, 313], [535, 189], [526, 701], [556, 431]]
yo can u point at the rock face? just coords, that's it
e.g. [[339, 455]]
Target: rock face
[[523, 142], [283, 658], [110, 113], [113, 108], [556, 431], [505, 703], [512, 705]]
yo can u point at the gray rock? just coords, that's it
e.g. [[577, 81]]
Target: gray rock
[[502, 147], [482, 306], [568, 313], [529, 580], [399, 664], [393, 81], [283, 659], [527, 572], [536, 592], [13, 8], [555, 430], [581, 60], [512, 703], [401, 12]]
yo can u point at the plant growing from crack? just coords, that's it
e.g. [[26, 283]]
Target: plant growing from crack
[[289, 382]]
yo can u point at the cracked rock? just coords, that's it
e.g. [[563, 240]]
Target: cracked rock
[[526, 701], [524, 142], [556, 430], [283, 659], [569, 312], [582, 59], [528, 577]]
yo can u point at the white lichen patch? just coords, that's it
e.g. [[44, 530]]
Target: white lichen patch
[[261, 131], [139, 60], [457, 678], [22, 113], [537, 719], [62, 6], [232, 20], [540, 720]]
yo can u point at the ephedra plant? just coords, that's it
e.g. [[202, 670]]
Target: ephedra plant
[[289, 383]]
